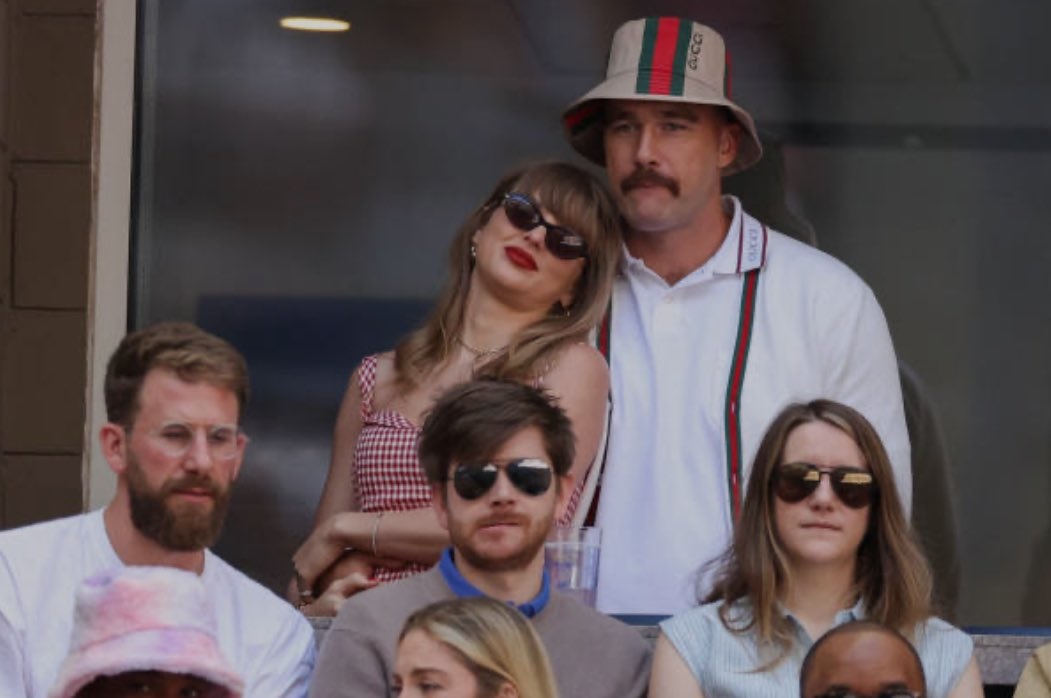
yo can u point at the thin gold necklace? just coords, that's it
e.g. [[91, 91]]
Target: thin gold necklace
[[480, 353]]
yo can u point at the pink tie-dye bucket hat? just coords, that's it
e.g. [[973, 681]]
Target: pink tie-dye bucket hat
[[143, 619]]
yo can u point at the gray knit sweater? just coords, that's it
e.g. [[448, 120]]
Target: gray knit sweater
[[592, 655]]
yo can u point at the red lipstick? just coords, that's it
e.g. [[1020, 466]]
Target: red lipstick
[[520, 258]]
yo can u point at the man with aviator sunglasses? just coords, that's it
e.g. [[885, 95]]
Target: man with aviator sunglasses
[[497, 456]]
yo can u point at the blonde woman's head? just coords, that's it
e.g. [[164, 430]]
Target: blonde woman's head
[[471, 648]]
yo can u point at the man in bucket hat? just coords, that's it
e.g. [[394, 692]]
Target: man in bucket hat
[[174, 398], [145, 631], [716, 321]]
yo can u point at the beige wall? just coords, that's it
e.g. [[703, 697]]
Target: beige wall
[[46, 88]]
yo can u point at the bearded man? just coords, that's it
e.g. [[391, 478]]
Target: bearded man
[[497, 456], [174, 397]]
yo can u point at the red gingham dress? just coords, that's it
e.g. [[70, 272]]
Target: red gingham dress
[[387, 473]]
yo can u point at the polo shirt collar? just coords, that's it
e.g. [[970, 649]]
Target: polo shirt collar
[[744, 248], [846, 615], [464, 589]]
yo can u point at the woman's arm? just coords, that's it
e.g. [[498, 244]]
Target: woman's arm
[[670, 677], [414, 536], [970, 684], [580, 384]]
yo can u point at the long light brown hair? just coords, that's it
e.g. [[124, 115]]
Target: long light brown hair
[[582, 204], [892, 576], [494, 641]]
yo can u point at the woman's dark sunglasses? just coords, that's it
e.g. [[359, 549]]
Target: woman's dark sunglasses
[[524, 214], [794, 482], [531, 476]]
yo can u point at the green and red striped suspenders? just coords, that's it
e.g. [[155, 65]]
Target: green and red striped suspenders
[[734, 387]]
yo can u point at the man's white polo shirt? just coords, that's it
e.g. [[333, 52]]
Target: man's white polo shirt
[[818, 332]]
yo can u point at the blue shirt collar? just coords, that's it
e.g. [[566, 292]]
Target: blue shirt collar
[[464, 589]]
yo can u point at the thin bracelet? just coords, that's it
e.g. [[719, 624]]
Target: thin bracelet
[[375, 531]]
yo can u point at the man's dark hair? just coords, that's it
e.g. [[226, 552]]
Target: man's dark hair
[[472, 420], [180, 347], [854, 627]]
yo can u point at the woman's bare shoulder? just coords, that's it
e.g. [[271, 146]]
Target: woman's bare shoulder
[[578, 364], [579, 356]]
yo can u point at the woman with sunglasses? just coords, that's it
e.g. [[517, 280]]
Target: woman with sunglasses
[[822, 540], [471, 648], [530, 274]]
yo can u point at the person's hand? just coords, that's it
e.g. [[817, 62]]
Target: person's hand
[[331, 600], [316, 555], [356, 561]]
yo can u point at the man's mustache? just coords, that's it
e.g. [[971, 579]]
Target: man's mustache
[[193, 482], [648, 178], [497, 519]]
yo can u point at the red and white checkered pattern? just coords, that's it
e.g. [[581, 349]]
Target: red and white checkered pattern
[[387, 471]]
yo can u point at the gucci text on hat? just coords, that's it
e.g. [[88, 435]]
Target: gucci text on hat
[[663, 59]]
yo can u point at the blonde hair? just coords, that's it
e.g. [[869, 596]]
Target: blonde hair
[[892, 576], [582, 204], [494, 641]]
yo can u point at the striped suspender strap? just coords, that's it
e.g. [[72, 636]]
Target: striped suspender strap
[[735, 381], [734, 386], [604, 332]]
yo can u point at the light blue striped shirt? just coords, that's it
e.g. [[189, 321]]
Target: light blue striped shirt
[[724, 662]]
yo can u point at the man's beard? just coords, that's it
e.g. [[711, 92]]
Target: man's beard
[[531, 545], [183, 528]]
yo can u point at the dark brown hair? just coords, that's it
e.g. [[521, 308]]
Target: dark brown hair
[[473, 419], [180, 347]]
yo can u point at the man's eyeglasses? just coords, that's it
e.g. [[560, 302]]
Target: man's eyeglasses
[[524, 214], [794, 482], [175, 439], [530, 476]]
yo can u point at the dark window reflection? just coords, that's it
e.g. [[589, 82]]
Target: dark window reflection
[[296, 193]]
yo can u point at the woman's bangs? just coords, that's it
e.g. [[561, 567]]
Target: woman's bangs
[[565, 200]]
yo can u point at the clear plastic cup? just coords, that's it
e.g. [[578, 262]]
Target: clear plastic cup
[[571, 559]]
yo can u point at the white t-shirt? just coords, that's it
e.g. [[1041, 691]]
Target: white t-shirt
[[41, 566], [818, 332]]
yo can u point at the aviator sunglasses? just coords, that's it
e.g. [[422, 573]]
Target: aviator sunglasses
[[530, 476], [794, 482], [524, 214]]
